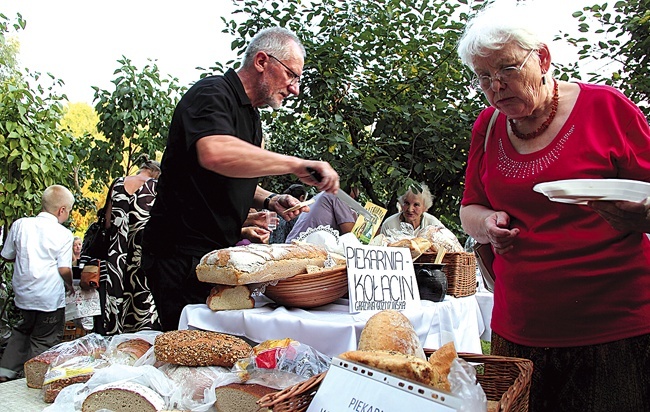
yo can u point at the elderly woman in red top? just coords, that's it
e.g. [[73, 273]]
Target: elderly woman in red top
[[572, 291]]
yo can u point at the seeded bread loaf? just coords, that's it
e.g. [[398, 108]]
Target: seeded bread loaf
[[237, 397], [200, 348], [123, 397], [258, 263], [226, 297], [391, 330]]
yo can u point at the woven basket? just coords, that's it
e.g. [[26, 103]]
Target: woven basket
[[505, 380], [460, 269], [309, 290]]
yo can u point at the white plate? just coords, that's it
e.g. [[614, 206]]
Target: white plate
[[580, 191]]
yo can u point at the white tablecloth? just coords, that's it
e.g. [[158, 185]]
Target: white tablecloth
[[485, 301], [332, 330]]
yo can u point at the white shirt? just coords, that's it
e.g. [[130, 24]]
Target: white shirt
[[40, 246]]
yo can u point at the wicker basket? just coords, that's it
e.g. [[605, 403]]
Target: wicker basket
[[460, 268], [505, 380]]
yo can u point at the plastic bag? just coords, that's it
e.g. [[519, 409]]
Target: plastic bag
[[462, 379], [282, 363], [195, 385]]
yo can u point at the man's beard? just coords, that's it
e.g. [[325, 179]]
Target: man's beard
[[270, 98]]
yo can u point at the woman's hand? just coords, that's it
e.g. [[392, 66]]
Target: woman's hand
[[624, 216], [498, 232], [285, 202]]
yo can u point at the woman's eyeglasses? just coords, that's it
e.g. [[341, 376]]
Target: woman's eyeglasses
[[295, 79], [503, 75]]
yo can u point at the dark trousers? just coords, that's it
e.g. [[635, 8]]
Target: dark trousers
[[34, 334], [608, 377], [173, 284]]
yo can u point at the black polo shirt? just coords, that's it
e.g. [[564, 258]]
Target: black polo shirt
[[197, 210]]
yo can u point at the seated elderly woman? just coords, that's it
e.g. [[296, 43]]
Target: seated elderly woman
[[414, 204]]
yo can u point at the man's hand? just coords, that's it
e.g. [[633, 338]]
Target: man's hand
[[255, 234]]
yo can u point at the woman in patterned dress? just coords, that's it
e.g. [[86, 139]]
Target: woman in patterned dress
[[129, 305]]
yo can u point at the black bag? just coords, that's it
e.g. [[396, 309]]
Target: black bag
[[97, 239]]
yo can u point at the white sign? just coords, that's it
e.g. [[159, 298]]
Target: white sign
[[381, 278], [349, 386]]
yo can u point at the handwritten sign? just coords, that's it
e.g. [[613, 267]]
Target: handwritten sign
[[349, 386], [380, 278]]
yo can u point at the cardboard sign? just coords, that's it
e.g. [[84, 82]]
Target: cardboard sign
[[353, 387], [381, 278], [364, 230]]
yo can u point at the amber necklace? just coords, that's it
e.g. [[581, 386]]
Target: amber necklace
[[542, 128]]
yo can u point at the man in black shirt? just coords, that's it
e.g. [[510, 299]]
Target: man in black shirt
[[211, 167]]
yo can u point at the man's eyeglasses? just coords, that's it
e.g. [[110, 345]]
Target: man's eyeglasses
[[295, 79], [503, 75]]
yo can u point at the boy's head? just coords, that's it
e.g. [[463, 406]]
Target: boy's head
[[58, 200]]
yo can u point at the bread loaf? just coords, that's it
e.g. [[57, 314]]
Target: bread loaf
[[406, 366], [51, 389], [35, 368], [257, 263], [200, 348], [441, 361], [226, 297], [417, 245], [237, 397], [123, 397], [392, 331], [134, 349]]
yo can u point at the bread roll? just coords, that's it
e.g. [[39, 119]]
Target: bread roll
[[123, 397], [391, 330], [406, 366], [257, 263], [441, 361], [237, 397], [417, 245], [200, 348], [226, 297]]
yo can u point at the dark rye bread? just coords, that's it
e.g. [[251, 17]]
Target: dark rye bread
[[237, 397], [200, 348]]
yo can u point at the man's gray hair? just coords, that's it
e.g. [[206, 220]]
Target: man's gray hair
[[274, 41]]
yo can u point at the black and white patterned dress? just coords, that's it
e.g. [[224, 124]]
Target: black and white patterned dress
[[129, 304]]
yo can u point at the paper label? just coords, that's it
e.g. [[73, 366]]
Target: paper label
[[352, 387], [381, 278], [365, 230]]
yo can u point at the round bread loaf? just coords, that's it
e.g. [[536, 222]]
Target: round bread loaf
[[392, 331], [200, 348]]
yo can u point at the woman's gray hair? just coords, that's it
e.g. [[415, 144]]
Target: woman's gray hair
[[427, 199], [502, 23], [274, 41]]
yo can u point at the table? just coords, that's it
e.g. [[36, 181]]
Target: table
[[485, 301], [332, 330], [16, 396]]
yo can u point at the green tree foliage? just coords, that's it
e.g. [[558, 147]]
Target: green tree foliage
[[133, 118], [384, 97], [32, 147], [621, 37]]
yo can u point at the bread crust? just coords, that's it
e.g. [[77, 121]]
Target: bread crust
[[135, 348], [405, 366], [258, 263], [441, 361], [391, 330], [200, 348]]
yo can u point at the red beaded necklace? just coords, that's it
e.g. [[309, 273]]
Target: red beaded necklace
[[542, 128]]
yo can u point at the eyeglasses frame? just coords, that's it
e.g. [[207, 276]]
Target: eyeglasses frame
[[497, 76], [295, 79]]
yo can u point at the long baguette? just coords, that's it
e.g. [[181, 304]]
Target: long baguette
[[257, 263]]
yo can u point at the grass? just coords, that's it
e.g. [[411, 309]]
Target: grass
[[485, 347]]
